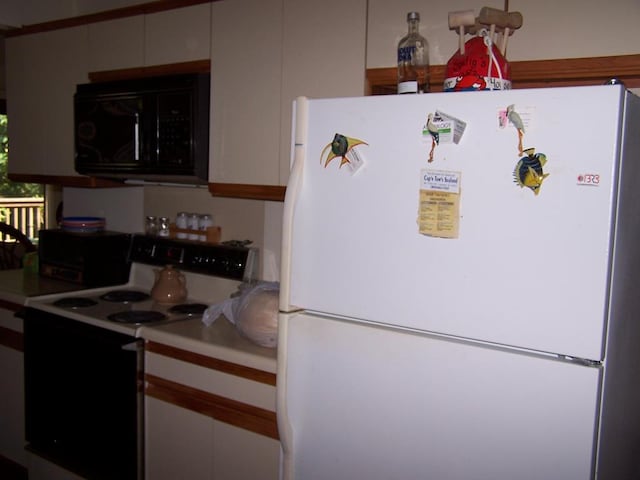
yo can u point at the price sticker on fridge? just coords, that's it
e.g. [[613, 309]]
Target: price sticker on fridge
[[439, 208]]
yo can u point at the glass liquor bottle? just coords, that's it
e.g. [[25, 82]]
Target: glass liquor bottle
[[413, 59]]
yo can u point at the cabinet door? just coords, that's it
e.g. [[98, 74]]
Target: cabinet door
[[323, 56], [116, 44], [246, 60], [12, 393], [178, 442], [244, 455], [178, 35], [42, 72]]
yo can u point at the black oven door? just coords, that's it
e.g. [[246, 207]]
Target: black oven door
[[83, 399]]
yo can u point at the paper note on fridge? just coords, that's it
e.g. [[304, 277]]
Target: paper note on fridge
[[439, 208]]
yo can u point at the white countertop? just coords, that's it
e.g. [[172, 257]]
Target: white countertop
[[17, 285], [219, 340]]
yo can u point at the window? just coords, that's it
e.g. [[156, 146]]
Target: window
[[21, 204]]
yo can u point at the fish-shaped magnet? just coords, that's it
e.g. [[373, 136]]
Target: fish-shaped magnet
[[340, 146], [529, 170]]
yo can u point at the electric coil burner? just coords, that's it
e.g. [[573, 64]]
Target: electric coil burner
[[137, 317], [189, 308], [75, 302], [125, 296]]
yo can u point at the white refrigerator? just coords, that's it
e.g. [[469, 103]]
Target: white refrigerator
[[460, 287]]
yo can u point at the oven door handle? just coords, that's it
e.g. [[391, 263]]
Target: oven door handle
[[133, 346]]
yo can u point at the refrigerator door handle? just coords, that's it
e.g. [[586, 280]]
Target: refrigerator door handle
[[300, 115], [282, 417]]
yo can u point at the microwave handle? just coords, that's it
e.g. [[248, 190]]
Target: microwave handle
[[136, 138]]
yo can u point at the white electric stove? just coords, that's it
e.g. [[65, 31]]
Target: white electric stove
[[84, 353], [212, 274]]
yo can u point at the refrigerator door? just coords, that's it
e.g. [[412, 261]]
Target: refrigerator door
[[525, 269], [361, 401]]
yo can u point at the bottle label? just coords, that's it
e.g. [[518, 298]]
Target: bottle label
[[405, 54], [408, 87]]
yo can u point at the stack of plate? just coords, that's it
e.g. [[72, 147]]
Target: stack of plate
[[83, 224]]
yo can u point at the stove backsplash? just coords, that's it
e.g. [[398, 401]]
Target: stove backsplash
[[122, 208]]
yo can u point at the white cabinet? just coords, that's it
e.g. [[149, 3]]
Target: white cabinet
[[12, 439], [243, 455], [116, 44], [207, 420], [42, 72], [324, 48], [178, 35], [178, 442], [170, 36], [263, 55], [246, 73]]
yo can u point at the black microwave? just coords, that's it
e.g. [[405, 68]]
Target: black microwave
[[152, 129], [89, 259]]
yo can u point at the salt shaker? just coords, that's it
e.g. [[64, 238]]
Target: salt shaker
[[204, 222], [193, 223], [182, 224]]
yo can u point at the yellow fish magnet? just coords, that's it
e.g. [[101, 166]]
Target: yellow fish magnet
[[529, 170]]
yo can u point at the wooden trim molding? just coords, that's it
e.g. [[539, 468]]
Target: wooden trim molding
[[8, 337], [229, 411], [66, 181], [12, 470], [212, 363], [196, 66], [253, 192], [532, 73], [11, 339], [141, 9], [11, 306]]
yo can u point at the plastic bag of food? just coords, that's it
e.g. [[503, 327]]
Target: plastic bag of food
[[253, 310]]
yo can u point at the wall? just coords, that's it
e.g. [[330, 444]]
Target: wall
[[125, 208]]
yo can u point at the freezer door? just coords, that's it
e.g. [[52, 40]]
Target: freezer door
[[525, 269], [359, 401]]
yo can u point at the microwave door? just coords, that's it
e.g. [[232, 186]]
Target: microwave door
[[108, 132]]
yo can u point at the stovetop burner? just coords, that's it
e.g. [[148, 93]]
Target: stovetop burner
[[125, 296], [189, 308], [137, 316], [75, 302]]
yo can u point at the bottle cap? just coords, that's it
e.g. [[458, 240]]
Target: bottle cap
[[413, 16]]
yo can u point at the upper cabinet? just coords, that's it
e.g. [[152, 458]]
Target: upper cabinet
[[246, 78], [263, 55], [116, 44], [42, 72], [179, 35], [171, 36], [324, 49]]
